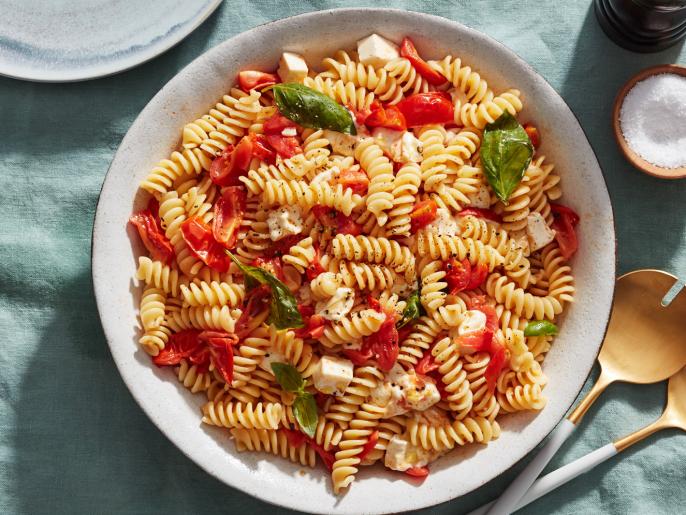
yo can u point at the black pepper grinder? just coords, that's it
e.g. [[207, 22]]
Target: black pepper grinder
[[643, 25]]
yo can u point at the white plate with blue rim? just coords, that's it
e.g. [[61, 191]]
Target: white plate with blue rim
[[176, 411], [72, 40]]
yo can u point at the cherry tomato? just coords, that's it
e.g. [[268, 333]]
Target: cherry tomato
[[360, 116], [458, 274], [423, 213], [180, 345], [409, 52], [533, 134], [285, 146], [495, 365], [315, 268], [199, 239], [325, 215], [277, 123], [251, 79], [220, 345], [346, 225], [154, 208], [390, 118], [232, 163], [417, 471], [384, 344], [481, 303], [426, 109], [477, 341], [256, 301], [295, 438], [565, 234], [228, 215], [426, 365], [369, 446], [327, 456], [478, 276], [261, 148], [359, 357], [488, 214], [356, 180], [152, 236], [314, 324], [281, 247]]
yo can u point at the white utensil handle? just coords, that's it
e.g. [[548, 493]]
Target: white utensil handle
[[559, 477], [510, 498]]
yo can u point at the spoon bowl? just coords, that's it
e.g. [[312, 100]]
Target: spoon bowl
[[644, 342]]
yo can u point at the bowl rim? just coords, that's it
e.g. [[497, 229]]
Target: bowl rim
[[361, 10], [631, 156]]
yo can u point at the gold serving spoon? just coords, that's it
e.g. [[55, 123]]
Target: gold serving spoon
[[674, 416], [644, 344]]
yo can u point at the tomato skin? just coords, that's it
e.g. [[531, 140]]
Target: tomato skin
[[252, 79], [271, 265], [315, 267], [200, 241], [384, 344], [423, 213], [314, 324], [180, 345], [331, 218], [327, 457], [256, 301], [369, 446], [565, 234], [261, 148], [151, 235], [488, 214], [346, 225], [232, 163], [478, 276], [426, 365], [409, 52], [276, 123], [458, 274], [228, 215], [417, 471], [356, 180], [295, 438], [221, 345], [496, 365], [358, 357], [532, 131], [285, 146], [427, 108], [388, 117]]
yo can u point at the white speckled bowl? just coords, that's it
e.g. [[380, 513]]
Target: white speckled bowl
[[176, 412], [71, 40]]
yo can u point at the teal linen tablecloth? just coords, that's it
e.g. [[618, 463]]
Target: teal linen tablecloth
[[72, 440]]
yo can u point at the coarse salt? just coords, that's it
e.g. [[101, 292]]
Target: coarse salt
[[653, 119]]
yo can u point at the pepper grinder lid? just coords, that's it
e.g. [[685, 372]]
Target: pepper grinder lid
[[642, 25]]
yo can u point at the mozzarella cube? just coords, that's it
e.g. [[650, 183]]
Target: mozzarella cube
[[338, 305], [272, 356], [480, 199], [444, 224], [401, 392], [522, 240], [343, 144], [284, 221], [333, 375], [402, 455], [376, 51], [473, 321], [406, 149], [538, 231], [292, 67], [386, 138]]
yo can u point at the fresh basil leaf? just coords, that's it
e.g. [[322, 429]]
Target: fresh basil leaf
[[283, 308], [305, 411], [288, 377], [506, 152], [413, 310], [540, 328], [310, 108]]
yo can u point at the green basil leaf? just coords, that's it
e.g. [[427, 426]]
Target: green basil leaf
[[283, 308], [413, 310], [506, 152], [305, 411], [540, 328], [288, 377], [310, 108]]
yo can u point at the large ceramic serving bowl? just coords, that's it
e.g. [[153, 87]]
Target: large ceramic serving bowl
[[176, 411]]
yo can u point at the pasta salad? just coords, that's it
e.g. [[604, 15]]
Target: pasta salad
[[357, 265]]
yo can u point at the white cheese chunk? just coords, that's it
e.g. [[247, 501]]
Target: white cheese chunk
[[338, 305], [376, 51], [402, 455], [406, 150], [343, 144], [284, 221], [473, 321], [386, 138], [401, 392], [481, 198], [272, 356], [538, 231], [333, 375], [522, 240], [444, 224], [289, 131], [292, 67]]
